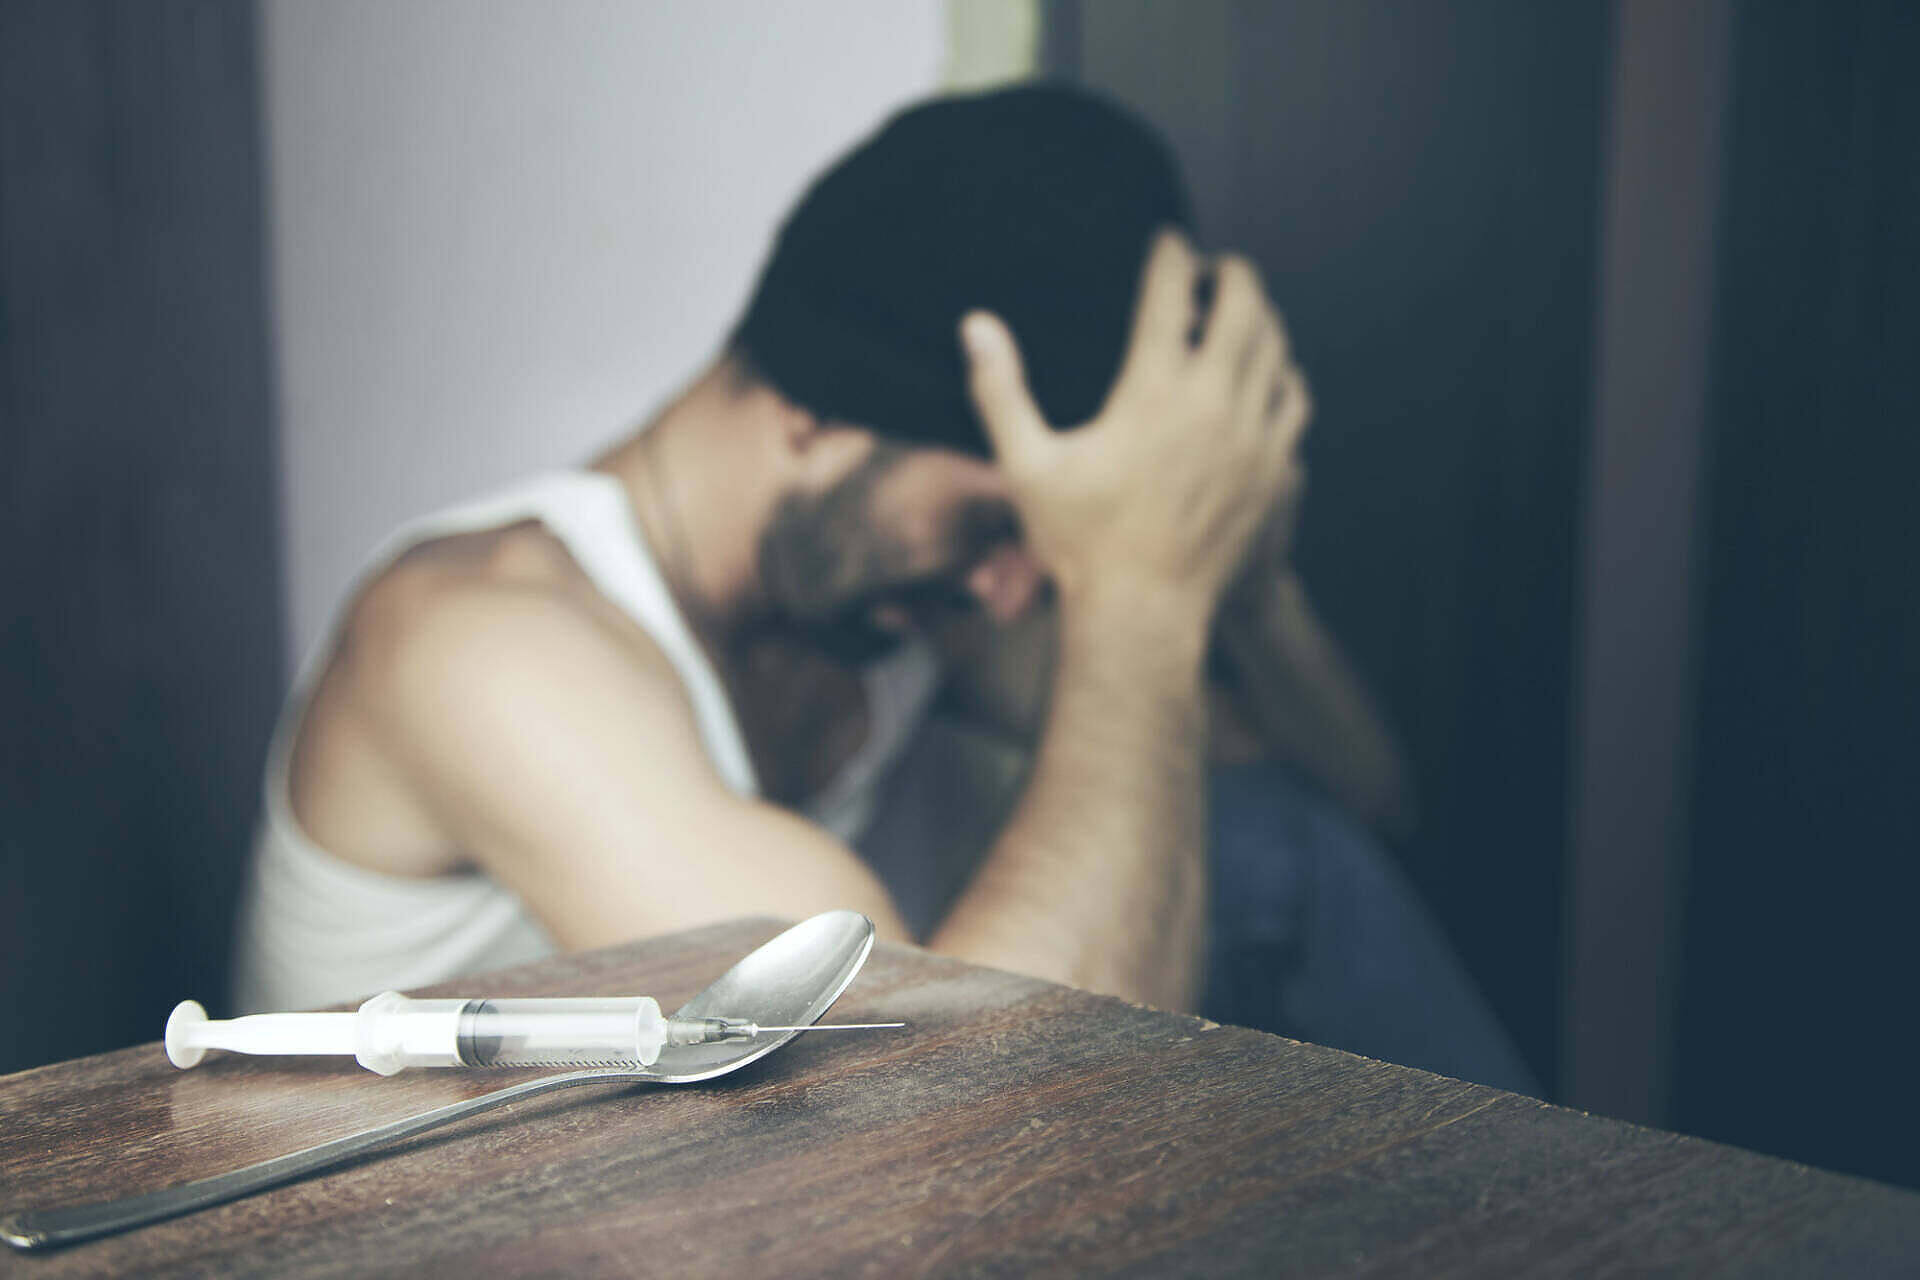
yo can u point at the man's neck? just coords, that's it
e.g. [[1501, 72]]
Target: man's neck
[[692, 514], [694, 500]]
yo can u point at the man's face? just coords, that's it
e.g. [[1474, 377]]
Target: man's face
[[905, 540]]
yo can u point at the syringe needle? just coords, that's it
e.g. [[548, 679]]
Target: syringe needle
[[711, 1030]]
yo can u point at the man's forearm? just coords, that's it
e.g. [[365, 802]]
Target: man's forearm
[[1099, 879], [1310, 706]]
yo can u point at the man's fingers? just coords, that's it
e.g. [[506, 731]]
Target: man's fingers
[[1164, 313], [1260, 388], [997, 380], [1240, 311]]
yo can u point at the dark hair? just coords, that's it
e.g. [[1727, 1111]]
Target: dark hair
[[1037, 202]]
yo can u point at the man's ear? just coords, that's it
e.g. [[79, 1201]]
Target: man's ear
[[1006, 581], [799, 429], [815, 453]]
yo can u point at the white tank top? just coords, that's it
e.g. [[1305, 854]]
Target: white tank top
[[314, 929]]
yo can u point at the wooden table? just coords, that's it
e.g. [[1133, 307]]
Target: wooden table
[[1017, 1127]]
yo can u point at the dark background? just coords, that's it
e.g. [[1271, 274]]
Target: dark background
[[1566, 277], [1609, 311], [1797, 985]]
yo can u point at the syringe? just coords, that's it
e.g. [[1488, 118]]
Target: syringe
[[392, 1031]]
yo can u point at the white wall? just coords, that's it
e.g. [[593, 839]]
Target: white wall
[[503, 231]]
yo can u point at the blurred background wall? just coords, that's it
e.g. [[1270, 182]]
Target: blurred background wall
[[1608, 305], [504, 232]]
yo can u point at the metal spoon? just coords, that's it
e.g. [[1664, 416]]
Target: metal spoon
[[789, 982]]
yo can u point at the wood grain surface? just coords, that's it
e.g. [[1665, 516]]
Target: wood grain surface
[[1015, 1128]]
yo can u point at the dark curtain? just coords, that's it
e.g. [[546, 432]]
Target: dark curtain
[[1419, 184], [1798, 974], [140, 655]]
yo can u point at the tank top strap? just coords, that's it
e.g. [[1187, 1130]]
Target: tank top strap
[[589, 513]]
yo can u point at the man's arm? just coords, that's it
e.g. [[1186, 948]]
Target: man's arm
[[1140, 517], [1286, 679], [1310, 707], [559, 751], [1099, 878]]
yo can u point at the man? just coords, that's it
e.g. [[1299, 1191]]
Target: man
[[670, 689]]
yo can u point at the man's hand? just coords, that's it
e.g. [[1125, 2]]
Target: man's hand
[[1155, 501]]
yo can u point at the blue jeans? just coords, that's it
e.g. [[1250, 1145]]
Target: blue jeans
[[1316, 935]]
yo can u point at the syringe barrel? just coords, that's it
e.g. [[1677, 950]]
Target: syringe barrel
[[393, 1032], [559, 1032]]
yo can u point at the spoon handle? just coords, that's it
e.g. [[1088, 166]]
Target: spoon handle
[[49, 1228]]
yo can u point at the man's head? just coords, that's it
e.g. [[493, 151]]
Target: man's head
[[1038, 203]]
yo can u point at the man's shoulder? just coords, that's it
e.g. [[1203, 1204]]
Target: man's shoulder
[[457, 614], [447, 668]]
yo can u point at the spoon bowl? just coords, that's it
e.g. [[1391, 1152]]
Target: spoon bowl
[[790, 981]]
